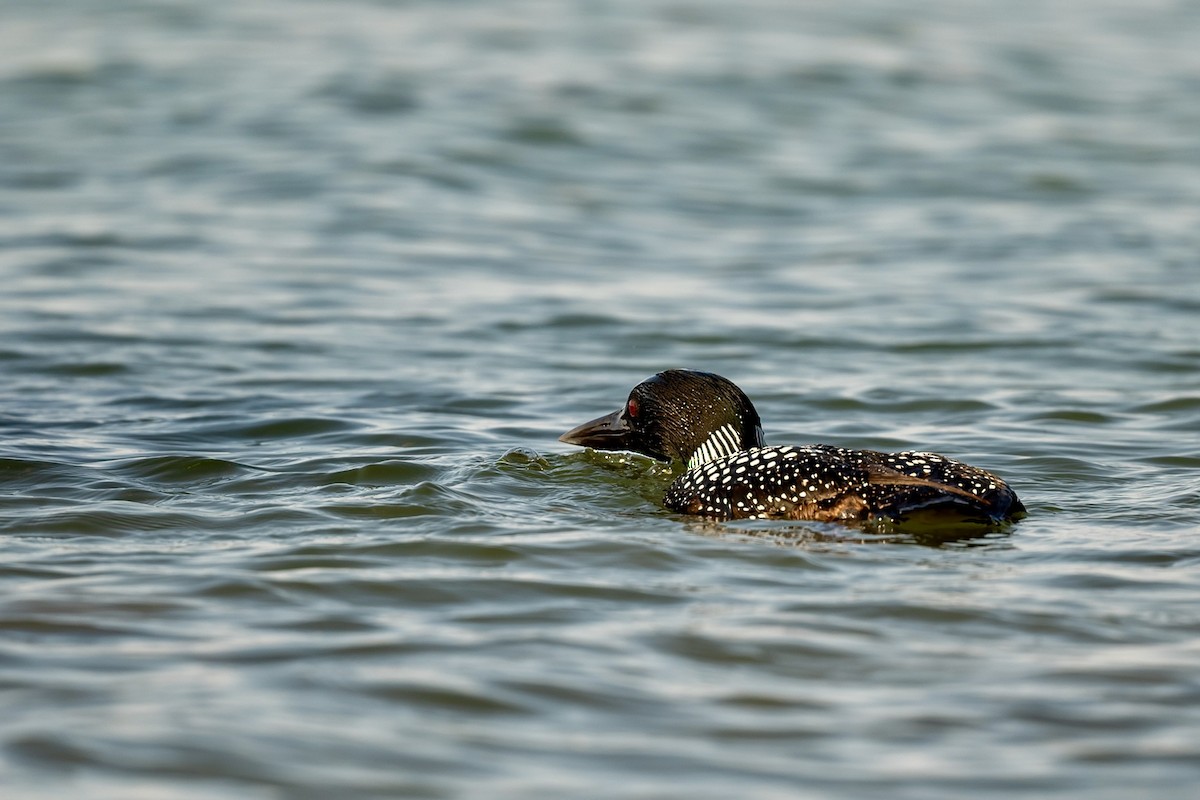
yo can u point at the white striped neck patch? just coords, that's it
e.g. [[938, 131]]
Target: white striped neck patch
[[724, 441]]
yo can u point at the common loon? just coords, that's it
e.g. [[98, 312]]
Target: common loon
[[708, 423]]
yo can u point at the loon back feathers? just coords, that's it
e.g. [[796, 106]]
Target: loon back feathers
[[820, 482], [708, 423]]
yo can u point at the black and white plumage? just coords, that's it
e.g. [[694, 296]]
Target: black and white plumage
[[708, 423]]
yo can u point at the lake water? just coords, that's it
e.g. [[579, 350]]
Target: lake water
[[295, 298]]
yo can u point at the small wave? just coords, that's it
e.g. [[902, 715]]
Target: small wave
[[181, 470], [111, 519], [386, 473]]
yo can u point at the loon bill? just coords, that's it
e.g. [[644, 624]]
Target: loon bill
[[708, 423]]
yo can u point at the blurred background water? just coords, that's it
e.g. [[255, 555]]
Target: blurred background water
[[295, 298]]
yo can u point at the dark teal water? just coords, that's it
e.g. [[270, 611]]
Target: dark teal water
[[295, 298]]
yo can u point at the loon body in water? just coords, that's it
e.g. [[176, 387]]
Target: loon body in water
[[708, 423]]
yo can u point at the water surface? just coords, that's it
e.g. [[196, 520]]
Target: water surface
[[297, 297]]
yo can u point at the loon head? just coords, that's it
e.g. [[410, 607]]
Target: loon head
[[680, 414]]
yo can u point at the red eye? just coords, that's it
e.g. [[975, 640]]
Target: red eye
[[631, 409]]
